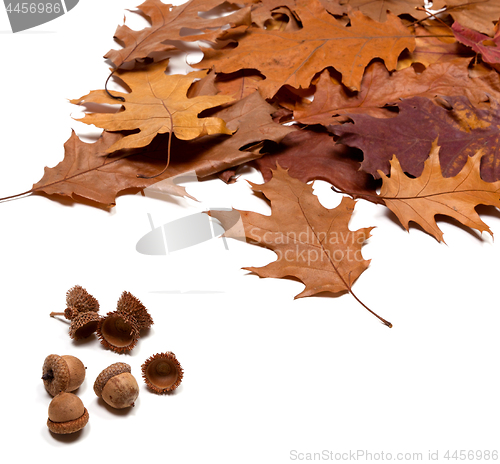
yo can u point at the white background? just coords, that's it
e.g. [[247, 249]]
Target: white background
[[264, 374]]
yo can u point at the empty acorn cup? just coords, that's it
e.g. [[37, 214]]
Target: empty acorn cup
[[81, 310], [162, 372], [120, 330], [62, 373]]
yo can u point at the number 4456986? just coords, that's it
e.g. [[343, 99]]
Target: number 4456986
[[26, 8], [470, 455]]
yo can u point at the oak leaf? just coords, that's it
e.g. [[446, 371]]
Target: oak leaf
[[433, 44], [462, 130], [293, 58], [421, 199], [377, 9], [333, 102], [488, 47], [87, 171], [157, 104], [309, 155], [168, 23], [312, 243], [475, 14]]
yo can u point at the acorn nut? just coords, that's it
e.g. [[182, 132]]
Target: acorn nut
[[62, 373], [162, 372], [67, 414], [117, 386]]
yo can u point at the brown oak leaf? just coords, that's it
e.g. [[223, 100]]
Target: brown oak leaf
[[168, 23], [157, 104], [293, 58], [87, 171], [461, 128], [312, 243], [333, 102], [421, 199], [309, 155], [476, 14]]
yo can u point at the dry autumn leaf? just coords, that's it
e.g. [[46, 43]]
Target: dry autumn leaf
[[333, 102], [168, 23], [309, 155], [157, 104], [433, 44], [293, 58], [377, 9], [461, 128], [88, 172], [421, 199], [312, 243], [476, 14], [488, 47]]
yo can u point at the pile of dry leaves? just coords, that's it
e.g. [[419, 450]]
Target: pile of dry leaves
[[382, 96]]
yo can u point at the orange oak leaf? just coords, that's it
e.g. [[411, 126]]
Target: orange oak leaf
[[433, 43], [421, 199], [157, 104], [190, 22], [333, 102], [312, 243], [377, 9], [293, 58], [88, 171]]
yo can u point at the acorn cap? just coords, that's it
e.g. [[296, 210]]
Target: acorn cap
[[62, 373], [106, 374], [55, 374], [162, 372], [84, 325], [69, 426], [67, 414], [129, 304], [79, 299], [118, 332]]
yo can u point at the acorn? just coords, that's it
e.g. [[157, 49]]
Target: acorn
[[62, 373], [129, 304], [67, 414], [162, 372], [118, 332], [81, 310], [117, 386]]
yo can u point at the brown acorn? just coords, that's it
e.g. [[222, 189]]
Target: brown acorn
[[117, 386], [118, 332], [129, 304], [162, 372], [62, 373], [81, 310], [67, 414]]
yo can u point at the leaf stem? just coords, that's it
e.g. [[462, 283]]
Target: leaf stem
[[116, 97]]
